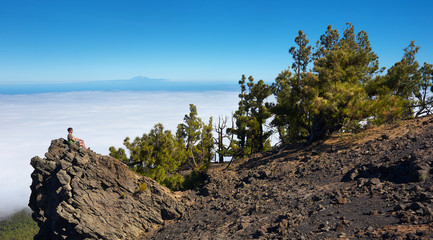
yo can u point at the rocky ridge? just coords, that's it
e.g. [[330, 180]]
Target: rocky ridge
[[78, 194]]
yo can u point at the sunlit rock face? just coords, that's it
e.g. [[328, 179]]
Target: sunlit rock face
[[78, 194]]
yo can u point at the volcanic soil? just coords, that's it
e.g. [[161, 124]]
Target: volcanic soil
[[373, 185]]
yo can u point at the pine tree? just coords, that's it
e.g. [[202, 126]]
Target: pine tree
[[197, 138], [425, 101], [394, 94], [293, 110], [159, 154], [259, 113], [238, 147], [156, 155], [309, 104], [301, 55], [343, 72], [189, 132], [327, 42], [403, 78], [207, 143], [250, 118]]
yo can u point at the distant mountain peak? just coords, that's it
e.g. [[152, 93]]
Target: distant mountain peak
[[145, 79]]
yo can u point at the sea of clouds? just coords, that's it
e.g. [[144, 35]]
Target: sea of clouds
[[29, 122]]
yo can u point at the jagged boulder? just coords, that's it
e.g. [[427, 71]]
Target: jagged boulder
[[78, 194]]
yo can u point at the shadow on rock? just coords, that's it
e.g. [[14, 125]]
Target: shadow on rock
[[405, 170]]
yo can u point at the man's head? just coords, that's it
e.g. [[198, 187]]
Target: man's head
[[70, 129]]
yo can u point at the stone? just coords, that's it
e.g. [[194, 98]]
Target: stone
[[374, 182], [411, 236], [341, 200], [324, 227], [415, 206], [339, 227], [342, 235], [376, 212], [399, 207], [81, 161], [258, 233], [265, 174], [63, 177], [94, 197]]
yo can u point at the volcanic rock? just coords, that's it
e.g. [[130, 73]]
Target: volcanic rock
[[78, 194]]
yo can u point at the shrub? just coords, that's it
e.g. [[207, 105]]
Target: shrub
[[142, 187]]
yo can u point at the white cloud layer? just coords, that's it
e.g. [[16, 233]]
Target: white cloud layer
[[28, 123]]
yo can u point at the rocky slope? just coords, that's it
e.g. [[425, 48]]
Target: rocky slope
[[77, 194], [375, 185]]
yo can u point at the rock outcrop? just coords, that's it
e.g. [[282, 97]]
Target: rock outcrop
[[78, 194]]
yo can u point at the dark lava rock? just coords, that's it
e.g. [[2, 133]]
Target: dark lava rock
[[77, 194]]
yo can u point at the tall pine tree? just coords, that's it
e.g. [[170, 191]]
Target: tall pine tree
[[251, 117]]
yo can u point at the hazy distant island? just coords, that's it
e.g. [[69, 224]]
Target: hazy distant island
[[138, 83]]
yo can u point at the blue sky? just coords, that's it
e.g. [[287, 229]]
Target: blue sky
[[68, 41]]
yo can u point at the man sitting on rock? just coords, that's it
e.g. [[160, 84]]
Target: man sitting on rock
[[73, 139]]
